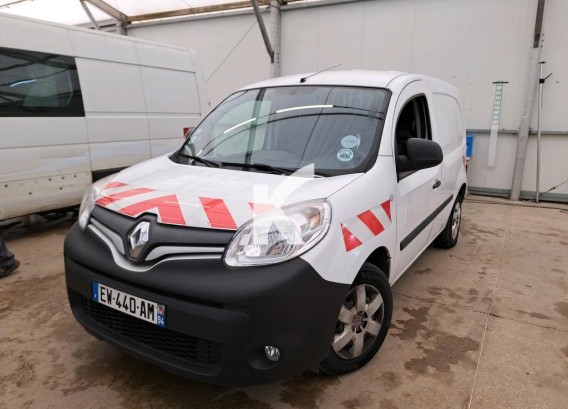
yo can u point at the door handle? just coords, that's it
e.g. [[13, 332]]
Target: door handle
[[437, 184]]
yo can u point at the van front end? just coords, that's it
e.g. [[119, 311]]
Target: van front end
[[224, 325]]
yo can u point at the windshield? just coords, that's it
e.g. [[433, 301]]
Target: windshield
[[335, 130]]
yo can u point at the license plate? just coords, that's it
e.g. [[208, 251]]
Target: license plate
[[129, 304]]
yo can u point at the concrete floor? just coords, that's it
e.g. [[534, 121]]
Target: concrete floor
[[484, 325]]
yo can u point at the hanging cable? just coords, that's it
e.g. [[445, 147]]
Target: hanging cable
[[231, 52]]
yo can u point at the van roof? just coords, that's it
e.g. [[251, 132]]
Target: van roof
[[7, 18], [361, 78]]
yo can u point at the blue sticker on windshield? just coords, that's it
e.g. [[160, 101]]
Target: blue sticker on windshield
[[345, 155]]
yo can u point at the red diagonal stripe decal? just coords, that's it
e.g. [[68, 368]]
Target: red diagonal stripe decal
[[113, 197], [218, 213], [112, 185], [349, 239], [167, 208], [387, 208], [259, 208], [371, 221]]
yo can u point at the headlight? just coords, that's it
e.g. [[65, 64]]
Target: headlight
[[279, 235], [88, 202]]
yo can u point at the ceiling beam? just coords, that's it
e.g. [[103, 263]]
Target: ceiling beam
[[111, 11], [195, 10]]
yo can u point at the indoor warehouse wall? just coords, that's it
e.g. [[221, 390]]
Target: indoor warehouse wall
[[468, 43]]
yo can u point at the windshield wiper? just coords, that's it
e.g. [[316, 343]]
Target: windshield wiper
[[264, 166], [259, 166], [206, 162]]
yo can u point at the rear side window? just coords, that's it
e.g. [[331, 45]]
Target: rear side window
[[37, 84], [449, 123]]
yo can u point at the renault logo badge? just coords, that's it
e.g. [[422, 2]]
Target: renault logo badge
[[138, 238]]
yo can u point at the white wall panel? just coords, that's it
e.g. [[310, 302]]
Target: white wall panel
[[300, 41], [388, 35], [553, 165], [500, 40], [230, 57], [340, 38], [555, 53], [469, 43]]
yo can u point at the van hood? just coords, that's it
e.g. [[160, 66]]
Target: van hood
[[206, 197]]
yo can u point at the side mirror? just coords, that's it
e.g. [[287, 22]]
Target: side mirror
[[420, 154]]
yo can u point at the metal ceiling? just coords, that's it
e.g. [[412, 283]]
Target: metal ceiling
[[124, 11]]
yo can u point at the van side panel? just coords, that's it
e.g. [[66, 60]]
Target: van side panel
[[450, 134], [167, 117], [115, 106]]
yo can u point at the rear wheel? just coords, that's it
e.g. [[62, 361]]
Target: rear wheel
[[448, 238], [363, 322]]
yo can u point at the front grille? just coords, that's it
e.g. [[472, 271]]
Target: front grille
[[191, 349]]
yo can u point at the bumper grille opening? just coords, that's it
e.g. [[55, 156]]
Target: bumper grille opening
[[191, 349]]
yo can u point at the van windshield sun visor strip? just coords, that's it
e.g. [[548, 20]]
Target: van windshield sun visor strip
[[414, 233]]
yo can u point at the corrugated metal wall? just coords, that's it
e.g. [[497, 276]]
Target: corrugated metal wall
[[469, 43]]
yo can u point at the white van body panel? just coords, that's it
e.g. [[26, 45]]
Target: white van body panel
[[400, 206], [138, 98]]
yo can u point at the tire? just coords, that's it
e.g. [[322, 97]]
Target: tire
[[448, 238], [365, 336]]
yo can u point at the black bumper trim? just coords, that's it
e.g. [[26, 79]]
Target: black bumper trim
[[288, 305]]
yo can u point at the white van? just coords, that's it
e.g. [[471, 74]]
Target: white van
[[268, 242], [77, 105]]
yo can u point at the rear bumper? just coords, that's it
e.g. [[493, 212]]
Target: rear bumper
[[218, 319]]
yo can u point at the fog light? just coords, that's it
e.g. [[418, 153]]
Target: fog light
[[272, 353]]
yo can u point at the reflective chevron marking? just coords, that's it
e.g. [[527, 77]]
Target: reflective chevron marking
[[366, 226], [179, 208]]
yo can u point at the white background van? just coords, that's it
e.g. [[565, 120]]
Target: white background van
[[268, 242], [77, 105]]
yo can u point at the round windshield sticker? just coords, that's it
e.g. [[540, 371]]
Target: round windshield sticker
[[345, 155], [350, 141]]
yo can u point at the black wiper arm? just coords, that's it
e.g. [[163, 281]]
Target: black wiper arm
[[206, 162], [259, 166]]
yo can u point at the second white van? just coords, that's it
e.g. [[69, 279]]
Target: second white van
[[77, 105]]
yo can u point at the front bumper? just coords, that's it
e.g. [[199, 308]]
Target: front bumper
[[218, 319]]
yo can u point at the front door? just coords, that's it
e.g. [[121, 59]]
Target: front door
[[415, 188]]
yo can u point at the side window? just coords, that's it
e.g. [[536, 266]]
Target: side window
[[413, 122], [38, 84]]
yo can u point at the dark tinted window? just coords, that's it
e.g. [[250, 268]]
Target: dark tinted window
[[413, 122], [38, 84]]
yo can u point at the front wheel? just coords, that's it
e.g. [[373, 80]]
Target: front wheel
[[448, 238], [363, 322]]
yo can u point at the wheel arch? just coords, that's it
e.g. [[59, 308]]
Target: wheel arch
[[381, 258], [461, 193]]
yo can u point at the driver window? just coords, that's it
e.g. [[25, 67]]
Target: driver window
[[413, 122]]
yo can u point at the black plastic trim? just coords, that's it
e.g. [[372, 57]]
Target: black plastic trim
[[408, 239], [160, 234], [288, 305]]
